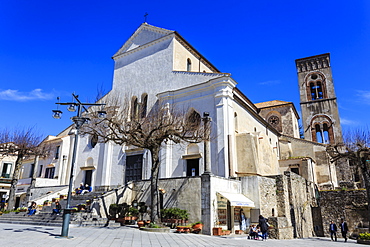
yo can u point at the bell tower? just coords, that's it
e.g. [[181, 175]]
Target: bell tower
[[320, 116]]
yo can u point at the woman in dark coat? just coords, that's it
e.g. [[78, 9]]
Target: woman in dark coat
[[264, 227]]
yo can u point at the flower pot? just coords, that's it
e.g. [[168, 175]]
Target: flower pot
[[239, 232], [198, 226], [140, 223], [226, 232], [180, 229], [217, 231]]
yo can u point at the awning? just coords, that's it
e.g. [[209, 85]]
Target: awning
[[238, 199]]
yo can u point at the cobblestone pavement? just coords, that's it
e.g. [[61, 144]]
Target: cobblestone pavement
[[27, 235]]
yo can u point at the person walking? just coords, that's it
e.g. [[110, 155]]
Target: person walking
[[243, 221], [333, 230], [343, 229], [262, 222]]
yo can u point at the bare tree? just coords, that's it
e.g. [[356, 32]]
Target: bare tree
[[129, 123], [20, 143], [356, 149]]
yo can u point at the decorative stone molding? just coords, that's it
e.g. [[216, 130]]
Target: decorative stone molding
[[313, 63]]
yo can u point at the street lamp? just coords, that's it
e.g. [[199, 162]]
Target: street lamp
[[78, 121]]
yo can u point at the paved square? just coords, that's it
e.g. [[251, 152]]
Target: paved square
[[26, 235]]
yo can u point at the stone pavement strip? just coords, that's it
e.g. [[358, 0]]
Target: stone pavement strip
[[12, 235]]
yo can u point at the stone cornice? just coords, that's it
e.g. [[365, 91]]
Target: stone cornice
[[190, 90], [312, 63], [139, 48], [144, 26]]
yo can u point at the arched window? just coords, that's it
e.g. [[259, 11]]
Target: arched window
[[326, 133], [319, 90], [93, 140], [144, 103], [313, 91], [322, 130], [316, 87], [134, 108], [188, 65], [194, 118], [236, 121], [319, 137]]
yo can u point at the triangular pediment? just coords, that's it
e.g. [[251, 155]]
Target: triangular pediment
[[143, 35]]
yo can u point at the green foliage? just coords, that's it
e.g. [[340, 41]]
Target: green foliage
[[174, 213], [153, 225], [364, 236], [122, 210], [133, 211]]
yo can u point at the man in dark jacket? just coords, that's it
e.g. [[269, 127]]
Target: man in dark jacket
[[343, 229], [262, 222], [333, 230]]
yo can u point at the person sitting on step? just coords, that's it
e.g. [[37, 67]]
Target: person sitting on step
[[32, 209], [87, 189], [57, 208]]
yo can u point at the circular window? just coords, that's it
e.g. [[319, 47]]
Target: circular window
[[314, 77], [274, 120]]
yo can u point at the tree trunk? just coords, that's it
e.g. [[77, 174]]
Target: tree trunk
[[154, 216], [13, 185], [33, 179]]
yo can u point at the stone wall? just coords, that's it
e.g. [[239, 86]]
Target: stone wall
[[348, 204], [183, 193]]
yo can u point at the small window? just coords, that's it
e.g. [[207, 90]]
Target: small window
[[40, 171], [49, 172], [57, 152], [32, 170], [295, 170], [5, 173], [188, 65]]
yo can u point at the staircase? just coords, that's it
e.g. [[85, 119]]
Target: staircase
[[46, 218]]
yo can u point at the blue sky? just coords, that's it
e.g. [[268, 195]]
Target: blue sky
[[54, 48]]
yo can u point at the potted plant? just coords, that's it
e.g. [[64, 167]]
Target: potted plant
[[217, 231], [113, 211], [133, 213], [364, 238], [22, 209], [197, 227]]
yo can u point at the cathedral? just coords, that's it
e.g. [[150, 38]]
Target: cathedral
[[259, 161]]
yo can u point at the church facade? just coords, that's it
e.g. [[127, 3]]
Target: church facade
[[258, 161]]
